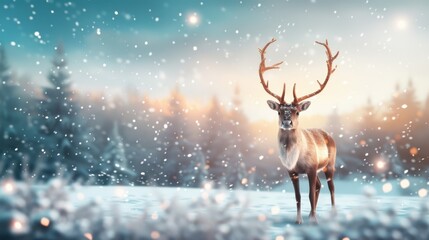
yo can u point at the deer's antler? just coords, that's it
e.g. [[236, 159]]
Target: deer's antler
[[331, 70], [263, 68]]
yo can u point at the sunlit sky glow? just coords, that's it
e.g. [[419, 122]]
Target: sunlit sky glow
[[209, 47]]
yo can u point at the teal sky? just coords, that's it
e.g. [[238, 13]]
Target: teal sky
[[209, 47]]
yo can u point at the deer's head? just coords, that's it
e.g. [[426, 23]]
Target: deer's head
[[288, 113]]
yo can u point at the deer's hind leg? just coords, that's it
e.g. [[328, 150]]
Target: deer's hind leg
[[318, 186]]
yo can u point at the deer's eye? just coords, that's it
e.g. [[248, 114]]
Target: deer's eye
[[297, 113]]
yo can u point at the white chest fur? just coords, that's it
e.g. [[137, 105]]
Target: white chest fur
[[289, 158]]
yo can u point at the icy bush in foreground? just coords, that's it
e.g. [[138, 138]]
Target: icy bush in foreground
[[35, 212], [48, 212]]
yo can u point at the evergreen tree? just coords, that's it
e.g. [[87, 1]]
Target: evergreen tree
[[195, 173], [368, 141], [215, 141], [114, 163], [174, 141], [421, 137], [390, 153], [13, 124], [335, 126], [403, 108], [240, 143], [62, 129], [403, 121]]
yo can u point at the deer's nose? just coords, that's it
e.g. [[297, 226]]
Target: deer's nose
[[288, 122]]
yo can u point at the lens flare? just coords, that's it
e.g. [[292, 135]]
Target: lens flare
[[193, 19], [401, 23]]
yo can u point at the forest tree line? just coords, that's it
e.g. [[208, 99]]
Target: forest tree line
[[56, 131]]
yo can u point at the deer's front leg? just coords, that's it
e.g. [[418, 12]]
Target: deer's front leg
[[295, 181], [312, 180]]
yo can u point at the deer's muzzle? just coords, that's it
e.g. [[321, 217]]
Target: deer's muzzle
[[286, 125]]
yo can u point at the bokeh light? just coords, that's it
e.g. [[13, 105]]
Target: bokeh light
[[381, 164], [405, 183], [423, 192], [88, 236], [413, 151], [193, 19], [387, 187], [8, 186], [401, 23], [45, 221]]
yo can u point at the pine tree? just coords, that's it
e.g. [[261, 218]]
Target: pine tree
[[195, 173], [62, 129], [421, 137], [114, 164], [403, 107], [335, 127], [240, 144], [174, 141], [13, 124], [403, 119], [215, 142], [390, 153]]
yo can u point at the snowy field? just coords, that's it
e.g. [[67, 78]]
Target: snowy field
[[277, 207], [61, 211]]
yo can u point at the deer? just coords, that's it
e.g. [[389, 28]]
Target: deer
[[302, 151]]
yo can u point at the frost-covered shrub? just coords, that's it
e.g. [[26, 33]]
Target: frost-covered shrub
[[212, 216], [367, 222], [48, 212], [44, 212]]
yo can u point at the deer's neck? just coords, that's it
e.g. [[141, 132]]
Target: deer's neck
[[290, 147]]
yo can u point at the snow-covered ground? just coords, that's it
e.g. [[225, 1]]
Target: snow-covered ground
[[278, 208], [60, 211]]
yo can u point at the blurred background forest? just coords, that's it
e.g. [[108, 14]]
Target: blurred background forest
[[135, 139]]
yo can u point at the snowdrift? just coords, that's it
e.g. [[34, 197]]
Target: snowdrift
[[49, 212]]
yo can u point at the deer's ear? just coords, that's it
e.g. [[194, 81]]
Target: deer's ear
[[303, 106], [273, 105]]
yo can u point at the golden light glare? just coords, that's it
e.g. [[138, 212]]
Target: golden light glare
[[208, 186], [414, 151], [387, 187], [193, 19], [423, 192], [405, 183], [17, 225], [401, 23], [8, 186], [45, 221], [381, 164], [88, 236], [244, 181]]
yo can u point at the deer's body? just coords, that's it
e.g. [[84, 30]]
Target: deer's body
[[302, 151]]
